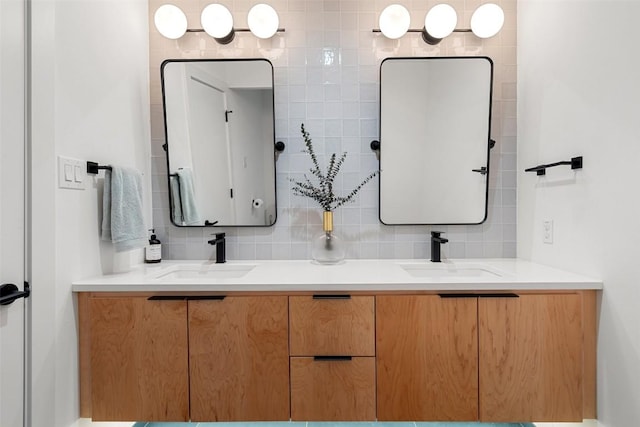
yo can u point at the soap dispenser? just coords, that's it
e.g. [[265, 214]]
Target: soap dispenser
[[153, 251]]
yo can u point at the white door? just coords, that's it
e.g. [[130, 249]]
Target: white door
[[12, 200], [211, 151]]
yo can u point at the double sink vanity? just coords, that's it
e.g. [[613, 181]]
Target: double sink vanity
[[501, 340]]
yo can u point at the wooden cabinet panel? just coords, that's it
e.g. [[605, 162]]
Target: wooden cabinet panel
[[332, 326], [139, 368], [427, 352], [239, 359], [335, 390], [531, 358]]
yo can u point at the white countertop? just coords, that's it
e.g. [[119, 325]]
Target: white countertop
[[351, 275]]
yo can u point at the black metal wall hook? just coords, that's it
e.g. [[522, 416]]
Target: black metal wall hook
[[93, 168], [575, 162]]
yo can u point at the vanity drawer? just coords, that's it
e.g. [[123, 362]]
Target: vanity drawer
[[331, 325], [333, 388]]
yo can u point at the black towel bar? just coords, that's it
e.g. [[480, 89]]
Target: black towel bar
[[575, 162], [93, 168]]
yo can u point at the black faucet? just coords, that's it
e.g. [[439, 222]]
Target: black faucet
[[436, 241], [219, 241]]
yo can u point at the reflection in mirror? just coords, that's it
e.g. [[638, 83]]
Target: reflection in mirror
[[219, 125], [435, 119]]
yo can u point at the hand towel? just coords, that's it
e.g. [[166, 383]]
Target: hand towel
[[122, 216], [176, 199], [188, 196]]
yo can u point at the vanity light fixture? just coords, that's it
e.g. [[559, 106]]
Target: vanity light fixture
[[441, 21], [217, 21], [487, 20], [394, 21], [263, 21], [170, 21]]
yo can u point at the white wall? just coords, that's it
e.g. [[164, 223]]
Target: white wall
[[579, 94], [90, 101]]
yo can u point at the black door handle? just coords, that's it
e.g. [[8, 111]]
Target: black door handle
[[482, 171], [10, 292]]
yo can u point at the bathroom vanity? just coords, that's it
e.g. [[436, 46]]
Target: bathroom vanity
[[490, 340]]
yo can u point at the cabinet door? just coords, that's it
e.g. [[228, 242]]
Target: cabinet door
[[333, 390], [239, 359], [139, 368], [322, 325], [427, 353], [531, 358]]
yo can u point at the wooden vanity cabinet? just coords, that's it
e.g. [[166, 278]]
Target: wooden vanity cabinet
[[427, 361], [333, 389], [138, 359], [332, 358], [330, 325], [391, 357], [239, 359], [531, 358], [497, 358], [159, 359]]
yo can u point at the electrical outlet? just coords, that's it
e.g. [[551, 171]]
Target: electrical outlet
[[547, 231]]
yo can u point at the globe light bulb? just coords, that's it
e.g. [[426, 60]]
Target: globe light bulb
[[170, 21], [217, 21], [440, 21], [394, 21], [487, 20], [263, 21]]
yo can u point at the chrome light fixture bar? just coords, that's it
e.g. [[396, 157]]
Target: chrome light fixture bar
[[217, 21], [441, 20]]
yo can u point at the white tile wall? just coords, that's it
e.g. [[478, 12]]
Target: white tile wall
[[326, 75]]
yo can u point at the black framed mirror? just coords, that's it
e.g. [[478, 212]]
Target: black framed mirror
[[220, 141], [435, 122]]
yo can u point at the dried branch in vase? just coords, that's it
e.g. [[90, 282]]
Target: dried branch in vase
[[322, 191]]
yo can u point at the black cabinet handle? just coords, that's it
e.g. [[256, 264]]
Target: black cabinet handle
[[326, 296], [187, 298], [458, 295], [491, 295], [331, 358], [10, 292], [499, 295], [207, 297]]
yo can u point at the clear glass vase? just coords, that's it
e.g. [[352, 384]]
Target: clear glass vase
[[328, 247]]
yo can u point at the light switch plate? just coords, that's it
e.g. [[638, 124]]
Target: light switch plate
[[71, 173], [547, 231]]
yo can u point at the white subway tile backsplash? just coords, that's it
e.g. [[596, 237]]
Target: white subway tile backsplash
[[327, 76], [474, 249], [350, 92], [332, 92], [492, 250]]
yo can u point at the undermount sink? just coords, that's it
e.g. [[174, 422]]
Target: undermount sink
[[446, 270], [200, 272]]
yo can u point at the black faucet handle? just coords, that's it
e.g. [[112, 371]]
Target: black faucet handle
[[435, 236], [219, 235]]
